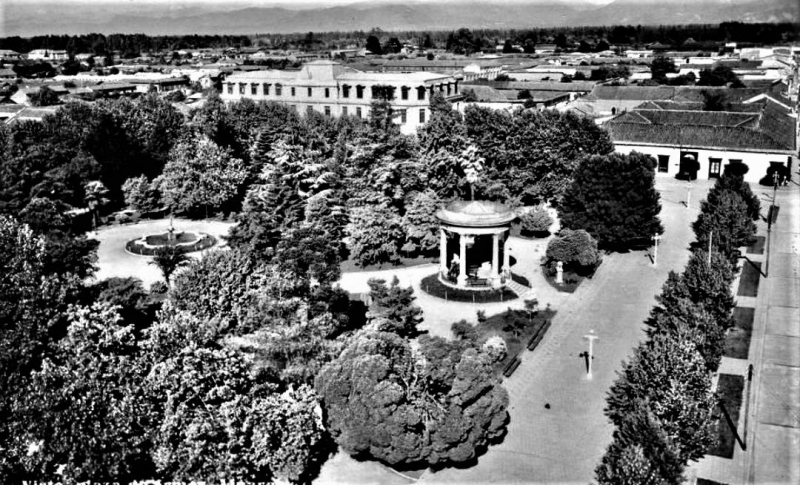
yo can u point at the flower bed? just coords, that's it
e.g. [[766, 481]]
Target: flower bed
[[432, 286], [184, 242]]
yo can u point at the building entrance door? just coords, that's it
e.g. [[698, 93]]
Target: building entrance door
[[689, 166], [714, 167]]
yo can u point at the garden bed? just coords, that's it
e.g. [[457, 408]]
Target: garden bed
[[758, 246], [737, 339], [432, 286], [751, 275], [571, 281], [729, 390], [517, 328]]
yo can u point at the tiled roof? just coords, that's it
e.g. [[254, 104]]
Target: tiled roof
[[768, 129], [668, 93], [689, 117], [573, 87], [486, 93]]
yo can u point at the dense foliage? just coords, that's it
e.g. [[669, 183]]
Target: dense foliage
[[577, 250], [614, 198], [437, 405]]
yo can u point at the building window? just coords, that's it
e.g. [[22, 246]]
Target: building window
[[345, 91], [403, 116], [327, 110], [241, 88], [278, 89], [422, 115], [404, 92], [344, 110], [421, 93], [663, 163], [294, 93], [309, 92], [327, 92], [359, 92], [230, 88], [253, 89], [309, 109], [448, 89], [266, 89], [358, 112]]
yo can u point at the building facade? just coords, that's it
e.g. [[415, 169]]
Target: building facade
[[698, 144], [335, 90]]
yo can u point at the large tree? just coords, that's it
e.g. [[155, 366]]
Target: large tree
[[726, 223], [531, 155], [668, 378], [200, 175], [614, 198], [375, 234], [438, 406]]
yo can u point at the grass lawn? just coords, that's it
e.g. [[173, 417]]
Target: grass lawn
[[729, 390], [350, 266], [516, 327], [737, 340], [758, 246], [748, 283], [432, 286]]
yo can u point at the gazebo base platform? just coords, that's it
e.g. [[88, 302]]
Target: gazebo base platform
[[473, 284], [447, 291]]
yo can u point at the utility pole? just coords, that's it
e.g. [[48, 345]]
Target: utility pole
[[589, 357], [656, 238], [710, 234]]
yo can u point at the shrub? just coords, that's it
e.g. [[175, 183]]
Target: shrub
[[495, 347], [536, 222], [577, 250]]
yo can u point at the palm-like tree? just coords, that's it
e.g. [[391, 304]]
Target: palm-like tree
[[95, 197], [169, 259]]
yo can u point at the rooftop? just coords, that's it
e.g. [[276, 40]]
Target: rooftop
[[476, 213], [771, 128]]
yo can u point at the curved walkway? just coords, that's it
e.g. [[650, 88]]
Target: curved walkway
[[114, 261]]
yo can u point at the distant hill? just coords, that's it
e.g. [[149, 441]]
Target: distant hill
[[162, 18]]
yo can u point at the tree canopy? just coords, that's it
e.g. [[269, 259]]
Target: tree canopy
[[437, 406], [614, 198]]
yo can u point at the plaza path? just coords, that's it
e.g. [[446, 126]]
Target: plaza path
[[114, 261], [562, 444]]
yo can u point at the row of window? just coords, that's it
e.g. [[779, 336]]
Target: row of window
[[378, 92], [358, 113], [714, 164]]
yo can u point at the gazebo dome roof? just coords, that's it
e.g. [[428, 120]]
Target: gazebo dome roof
[[476, 213]]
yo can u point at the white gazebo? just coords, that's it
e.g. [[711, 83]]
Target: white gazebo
[[468, 228]]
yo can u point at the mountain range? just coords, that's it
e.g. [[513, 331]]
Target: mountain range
[[25, 19]]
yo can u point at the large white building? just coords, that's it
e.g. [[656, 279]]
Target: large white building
[[335, 90]]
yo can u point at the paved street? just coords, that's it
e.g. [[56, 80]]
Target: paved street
[[565, 443]]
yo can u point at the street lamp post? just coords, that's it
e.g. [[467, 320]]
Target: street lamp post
[[589, 355], [656, 238]]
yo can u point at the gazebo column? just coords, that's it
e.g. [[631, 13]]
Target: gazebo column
[[506, 257], [442, 251], [462, 263], [495, 255]]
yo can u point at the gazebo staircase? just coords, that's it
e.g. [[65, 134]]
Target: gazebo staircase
[[522, 291]]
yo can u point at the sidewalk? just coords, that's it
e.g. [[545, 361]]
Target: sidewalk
[[770, 422]]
